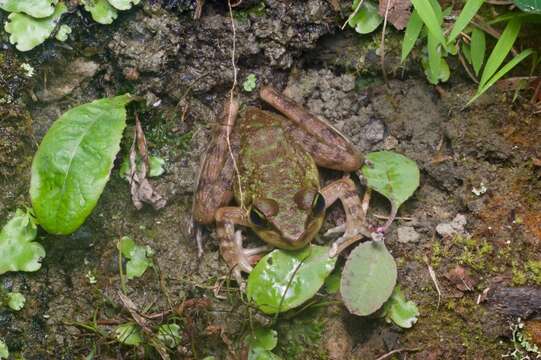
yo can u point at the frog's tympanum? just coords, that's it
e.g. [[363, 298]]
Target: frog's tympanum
[[268, 164]]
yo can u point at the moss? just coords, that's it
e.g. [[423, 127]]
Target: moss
[[474, 254], [519, 276]]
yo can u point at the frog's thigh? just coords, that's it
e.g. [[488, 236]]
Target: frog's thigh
[[215, 182], [231, 244], [346, 191], [327, 145]]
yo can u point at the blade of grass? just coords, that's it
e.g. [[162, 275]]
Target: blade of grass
[[434, 58], [430, 19], [501, 50], [467, 13], [478, 47], [504, 70], [413, 30], [466, 51]]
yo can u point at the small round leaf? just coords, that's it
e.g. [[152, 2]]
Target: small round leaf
[[283, 280], [368, 278], [392, 175]]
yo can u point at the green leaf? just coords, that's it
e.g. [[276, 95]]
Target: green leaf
[[368, 278], [123, 4], [500, 51], [34, 8], [332, 282], [74, 161], [19, 252], [301, 273], [529, 6], [263, 338], [413, 30], [250, 83], [138, 257], [478, 46], [16, 301], [27, 32], [156, 164], [4, 352], [392, 175], [169, 334], [465, 48], [504, 70], [367, 19], [468, 12], [101, 11], [400, 311], [128, 334], [262, 354], [63, 33], [434, 59], [431, 18]]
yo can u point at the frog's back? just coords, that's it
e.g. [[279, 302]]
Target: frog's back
[[271, 165]]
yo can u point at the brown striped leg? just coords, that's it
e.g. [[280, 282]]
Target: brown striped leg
[[354, 228], [237, 258]]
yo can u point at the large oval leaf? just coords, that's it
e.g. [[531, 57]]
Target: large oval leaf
[[531, 6], [73, 163], [393, 175], [283, 280], [34, 8], [368, 278]]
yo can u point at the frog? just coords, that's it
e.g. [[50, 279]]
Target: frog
[[261, 173]]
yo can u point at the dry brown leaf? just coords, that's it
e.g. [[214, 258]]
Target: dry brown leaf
[[399, 12], [461, 278]]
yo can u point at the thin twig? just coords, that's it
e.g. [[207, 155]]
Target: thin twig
[[434, 280], [391, 353], [464, 65]]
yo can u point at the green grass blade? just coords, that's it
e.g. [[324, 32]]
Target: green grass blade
[[501, 50], [466, 51], [434, 59], [504, 70], [478, 47], [467, 13], [413, 30], [430, 19]]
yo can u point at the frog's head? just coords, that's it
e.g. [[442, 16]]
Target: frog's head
[[288, 223]]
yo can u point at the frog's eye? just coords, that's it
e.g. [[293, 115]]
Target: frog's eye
[[318, 204], [257, 217]]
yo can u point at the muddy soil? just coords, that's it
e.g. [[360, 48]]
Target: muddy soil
[[480, 163]]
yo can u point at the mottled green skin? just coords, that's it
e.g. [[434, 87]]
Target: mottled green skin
[[272, 166]]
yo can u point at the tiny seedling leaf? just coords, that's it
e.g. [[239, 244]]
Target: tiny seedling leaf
[[101, 11], [155, 163], [138, 257], [468, 12], [27, 32], [478, 47], [34, 8], [123, 4], [4, 352], [529, 6], [16, 301], [17, 246], [73, 163], [393, 175], [128, 334], [63, 33], [431, 18], [400, 311], [282, 280], [413, 30], [367, 19], [169, 334], [250, 83], [500, 51], [368, 278]]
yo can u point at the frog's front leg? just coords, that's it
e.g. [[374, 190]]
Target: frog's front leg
[[355, 228], [237, 258]]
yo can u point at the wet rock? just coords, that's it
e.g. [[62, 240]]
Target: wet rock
[[63, 82], [407, 234]]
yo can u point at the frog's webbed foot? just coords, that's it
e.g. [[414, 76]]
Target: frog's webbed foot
[[354, 229], [237, 258]]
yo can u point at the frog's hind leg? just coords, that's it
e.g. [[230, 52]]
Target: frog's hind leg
[[354, 228], [328, 147], [237, 258], [215, 180]]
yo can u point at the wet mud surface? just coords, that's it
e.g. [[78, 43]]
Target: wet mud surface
[[480, 163]]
